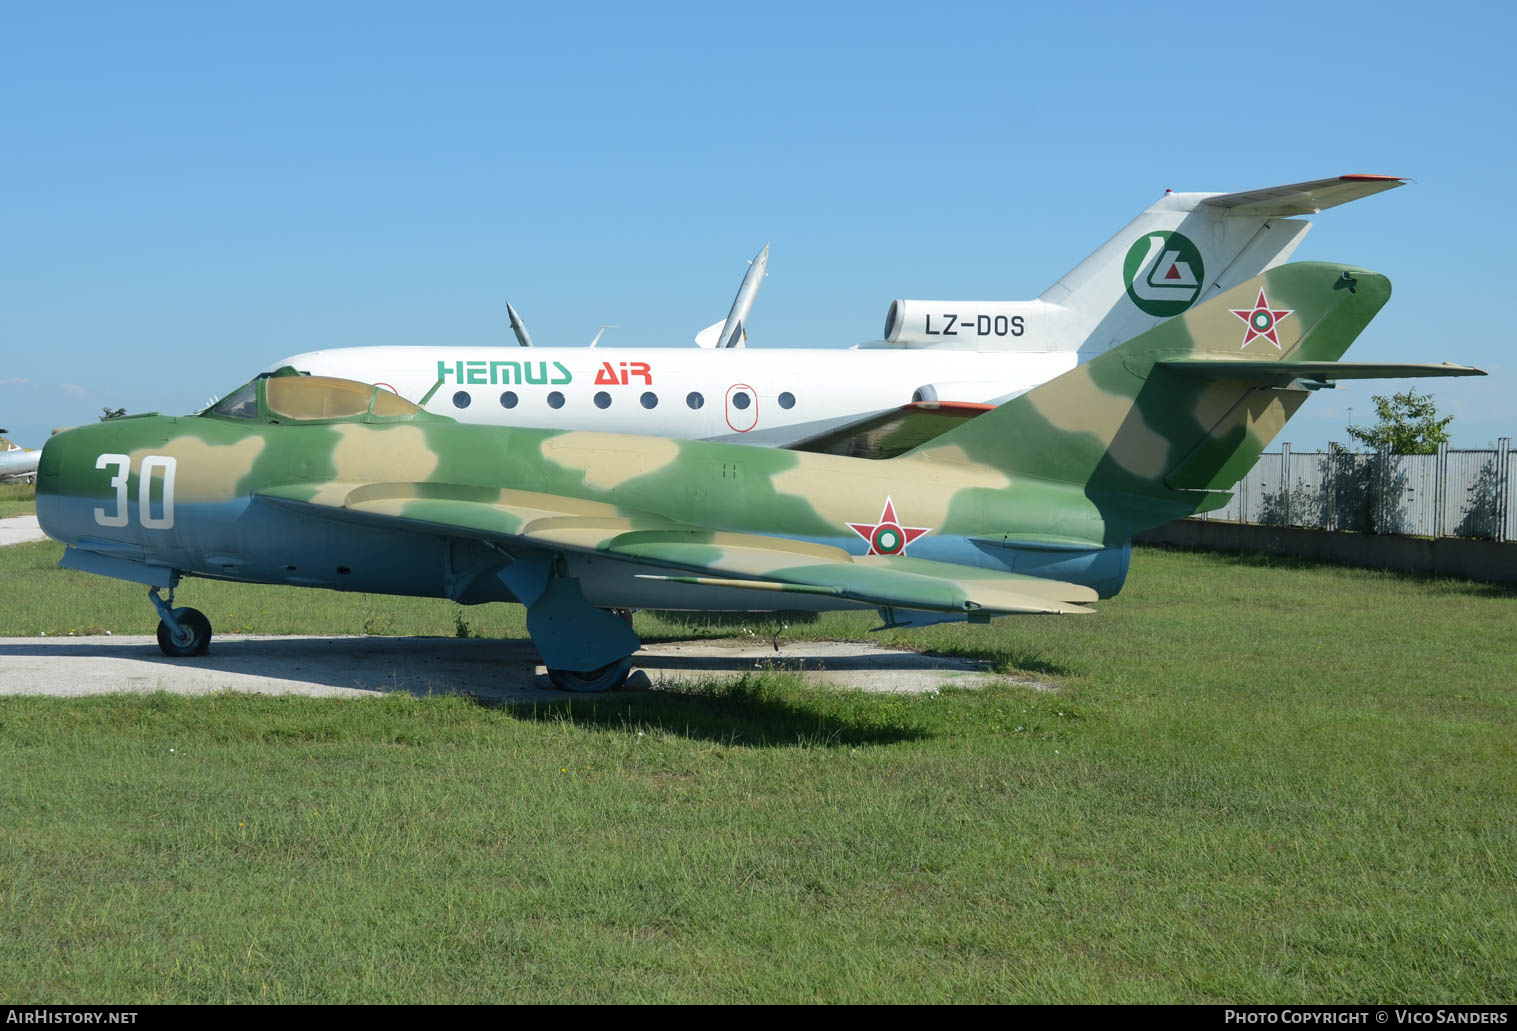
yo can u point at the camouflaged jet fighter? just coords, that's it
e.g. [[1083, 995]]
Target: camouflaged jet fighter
[[1029, 508]]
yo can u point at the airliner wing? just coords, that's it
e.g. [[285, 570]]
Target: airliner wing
[[892, 433]]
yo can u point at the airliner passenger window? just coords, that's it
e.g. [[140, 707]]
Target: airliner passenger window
[[462, 399], [649, 400], [740, 401], [602, 399], [787, 400], [556, 399], [508, 399], [694, 399]]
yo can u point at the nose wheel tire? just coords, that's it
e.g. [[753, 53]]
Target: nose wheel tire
[[193, 638], [607, 678]]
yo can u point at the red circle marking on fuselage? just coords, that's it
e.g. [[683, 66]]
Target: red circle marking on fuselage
[[741, 414]]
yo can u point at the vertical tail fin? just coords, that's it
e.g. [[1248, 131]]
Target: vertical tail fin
[[1165, 438], [1175, 255], [1179, 252], [1190, 247]]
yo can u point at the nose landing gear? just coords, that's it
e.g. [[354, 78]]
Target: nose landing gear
[[181, 632]]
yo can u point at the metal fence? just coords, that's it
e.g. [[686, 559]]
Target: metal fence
[[1450, 494]]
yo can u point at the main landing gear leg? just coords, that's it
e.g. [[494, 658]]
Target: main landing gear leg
[[585, 648], [181, 632]]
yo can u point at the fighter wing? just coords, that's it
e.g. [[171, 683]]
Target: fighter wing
[[892, 433], [716, 558], [779, 564]]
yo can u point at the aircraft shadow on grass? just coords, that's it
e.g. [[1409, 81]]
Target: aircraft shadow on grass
[[503, 672], [743, 715]]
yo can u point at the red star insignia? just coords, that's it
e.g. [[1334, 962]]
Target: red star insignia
[[888, 536], [1262, 320]]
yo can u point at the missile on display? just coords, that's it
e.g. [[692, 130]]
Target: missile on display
[[518, 327], [733, 331]]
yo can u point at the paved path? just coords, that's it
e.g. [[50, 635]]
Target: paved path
[[17, 529], [492, 669]]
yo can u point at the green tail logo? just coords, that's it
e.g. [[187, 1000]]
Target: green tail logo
[[1163, 272]]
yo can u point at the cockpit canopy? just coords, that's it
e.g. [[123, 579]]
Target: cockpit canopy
[[296, 398]]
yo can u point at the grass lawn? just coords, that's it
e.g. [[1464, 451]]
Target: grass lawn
[[17, 499], [1259, 780]]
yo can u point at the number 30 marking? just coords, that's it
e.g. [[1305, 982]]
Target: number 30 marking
[[150, 464]]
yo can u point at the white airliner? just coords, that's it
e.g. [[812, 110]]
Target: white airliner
[[951, 358]]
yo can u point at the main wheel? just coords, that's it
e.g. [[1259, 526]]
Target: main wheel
[[194, 635], [607, 678]]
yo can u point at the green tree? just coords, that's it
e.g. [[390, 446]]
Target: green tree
[[116, 413], [1409, 425]]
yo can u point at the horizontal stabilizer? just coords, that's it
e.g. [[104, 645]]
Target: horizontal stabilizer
[[1283, 372], [1304, 198], [891, 433]]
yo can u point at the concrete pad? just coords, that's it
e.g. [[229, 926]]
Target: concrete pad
[[497, 670], [18, 529]]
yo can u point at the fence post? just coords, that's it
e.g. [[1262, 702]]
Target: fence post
[[1285, 484], [1382, 488], [1374, 505], [1441, 490], [1503, 485], [1329, 509]]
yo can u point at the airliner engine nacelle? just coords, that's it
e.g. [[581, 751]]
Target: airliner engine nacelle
[[976, 392], [973, 325]]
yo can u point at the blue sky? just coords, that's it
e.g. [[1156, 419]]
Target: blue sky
[[192, 191]]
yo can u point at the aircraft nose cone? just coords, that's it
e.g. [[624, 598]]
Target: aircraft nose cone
[[47, 487], [60, 481], [47, 467]]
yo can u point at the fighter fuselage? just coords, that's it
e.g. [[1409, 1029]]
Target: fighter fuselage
[[211, 507]]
